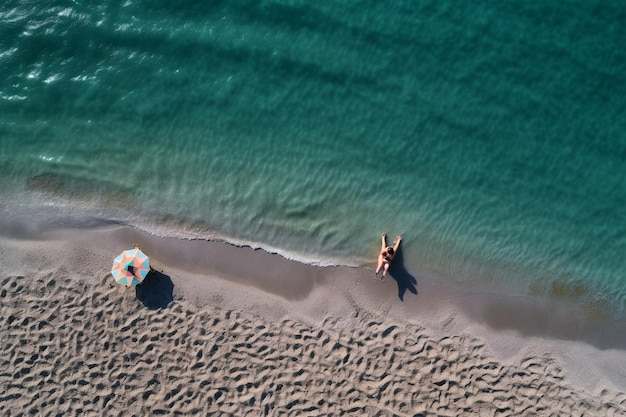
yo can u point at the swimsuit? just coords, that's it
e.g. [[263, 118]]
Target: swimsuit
[[385, 258]]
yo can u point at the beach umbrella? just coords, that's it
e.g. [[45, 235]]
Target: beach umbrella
[[130, 267]]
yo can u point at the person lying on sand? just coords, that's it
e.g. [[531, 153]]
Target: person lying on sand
[[387, 253]]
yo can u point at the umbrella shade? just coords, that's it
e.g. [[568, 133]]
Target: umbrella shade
[[130, 267]]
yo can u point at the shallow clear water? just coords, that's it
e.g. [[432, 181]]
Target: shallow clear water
[[491, 135]]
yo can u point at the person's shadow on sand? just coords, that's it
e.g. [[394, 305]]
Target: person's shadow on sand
[[156, 291], [405, 280]]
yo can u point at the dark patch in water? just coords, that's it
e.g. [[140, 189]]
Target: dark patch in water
[[598, 309], [561, 289], [47, 182], [591, 305]]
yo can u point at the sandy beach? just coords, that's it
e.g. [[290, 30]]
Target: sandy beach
[[257, 151], [222, 330]]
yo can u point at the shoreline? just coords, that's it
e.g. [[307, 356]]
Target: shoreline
[[405, 291], [589, 355], [297, 286], [593, 303]]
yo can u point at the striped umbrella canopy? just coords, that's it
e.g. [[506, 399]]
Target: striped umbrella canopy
[[130, 267]]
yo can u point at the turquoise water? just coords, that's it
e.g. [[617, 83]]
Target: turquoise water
[[492, 135]]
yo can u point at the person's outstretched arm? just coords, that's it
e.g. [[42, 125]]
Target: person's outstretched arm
[[397, 243], [383, 244]]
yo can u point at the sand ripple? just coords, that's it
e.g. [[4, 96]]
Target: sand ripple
[[69, 348]]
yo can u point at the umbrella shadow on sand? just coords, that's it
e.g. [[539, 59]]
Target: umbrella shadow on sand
[[156, 291], [405, 280]]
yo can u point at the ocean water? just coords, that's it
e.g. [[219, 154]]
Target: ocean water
[[490, 134]]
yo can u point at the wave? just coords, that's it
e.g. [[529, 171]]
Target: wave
[[37, 213]]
